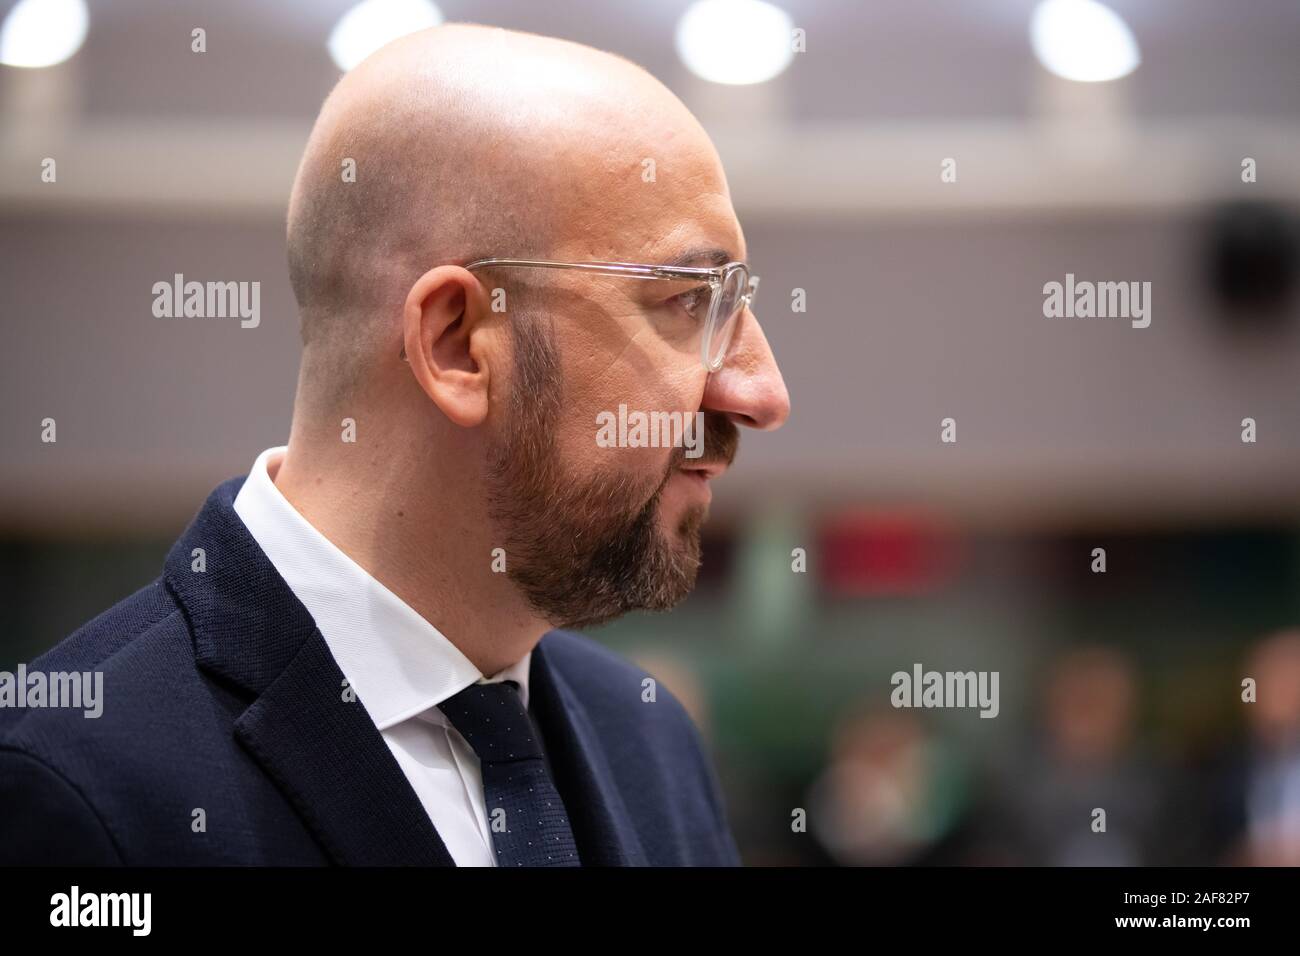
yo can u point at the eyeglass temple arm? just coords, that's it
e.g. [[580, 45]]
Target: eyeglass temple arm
[[633, 270], [630, 269]]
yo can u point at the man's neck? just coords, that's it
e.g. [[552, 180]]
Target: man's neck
[[434, 555]]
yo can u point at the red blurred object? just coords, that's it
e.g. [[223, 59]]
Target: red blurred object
[[895, 552]]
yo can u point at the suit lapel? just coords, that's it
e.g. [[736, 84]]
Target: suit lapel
[[319, 746], [327, 755], [601, 825]]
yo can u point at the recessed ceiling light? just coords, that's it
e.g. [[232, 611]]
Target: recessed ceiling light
[[1083, 40], [43, 32], [371, 24], [735, 41]]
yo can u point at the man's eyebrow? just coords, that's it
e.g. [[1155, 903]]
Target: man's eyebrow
[[702, 256]]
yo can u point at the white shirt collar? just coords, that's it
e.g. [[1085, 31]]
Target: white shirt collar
[[398, 663]]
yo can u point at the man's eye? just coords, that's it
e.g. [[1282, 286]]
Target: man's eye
[[694, 301]]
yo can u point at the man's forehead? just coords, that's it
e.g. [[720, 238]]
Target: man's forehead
[[681, 216], [707, 235], [705, 243], [686, 222]]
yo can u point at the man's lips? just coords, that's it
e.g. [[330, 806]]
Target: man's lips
[[703, 470]]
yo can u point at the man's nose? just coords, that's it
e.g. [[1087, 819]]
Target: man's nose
[[748, 389]]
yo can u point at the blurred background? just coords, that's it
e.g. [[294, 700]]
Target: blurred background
[[1140, 141]]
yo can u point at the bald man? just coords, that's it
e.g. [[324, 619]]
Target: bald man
[[360, 652]]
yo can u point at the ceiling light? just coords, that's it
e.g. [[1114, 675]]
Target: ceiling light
[[43, 32], [371, 24], [735, 41], [1083, 40]]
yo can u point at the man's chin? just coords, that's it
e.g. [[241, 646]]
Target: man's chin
[[644, 560], [686, 539], [668, 576]]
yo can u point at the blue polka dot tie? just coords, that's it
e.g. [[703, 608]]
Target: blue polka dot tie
[[526, 816]]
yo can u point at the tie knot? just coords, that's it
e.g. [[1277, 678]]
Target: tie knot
[[493, 720]]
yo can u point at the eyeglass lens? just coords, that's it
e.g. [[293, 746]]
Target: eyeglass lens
[[730, 304]]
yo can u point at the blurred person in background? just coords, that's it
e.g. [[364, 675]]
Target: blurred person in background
[[892, 793], [1255, 820], [1086, 760]]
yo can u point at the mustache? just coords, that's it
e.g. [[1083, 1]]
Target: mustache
[[721, 440]]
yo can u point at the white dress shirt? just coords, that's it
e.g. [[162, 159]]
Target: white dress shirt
[[400, 665]]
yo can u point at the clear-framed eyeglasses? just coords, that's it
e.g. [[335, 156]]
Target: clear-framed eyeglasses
[[722, 296]]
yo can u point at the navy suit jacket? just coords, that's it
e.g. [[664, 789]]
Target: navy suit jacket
[[220, 695]]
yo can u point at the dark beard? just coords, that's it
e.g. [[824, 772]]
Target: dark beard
[[583, 552]]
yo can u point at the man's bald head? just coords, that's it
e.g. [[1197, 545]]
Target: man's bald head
[[475, 143], [468, 142]]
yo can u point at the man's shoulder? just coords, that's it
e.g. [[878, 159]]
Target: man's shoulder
[[596, 670], [91, 706], [106, 635], [114, 650], [656, 750], [572, 651], [613, 688]]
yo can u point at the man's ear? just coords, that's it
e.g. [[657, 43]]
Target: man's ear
[[444, 326]]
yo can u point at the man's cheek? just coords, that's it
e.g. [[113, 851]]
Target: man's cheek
[[633, 440]]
